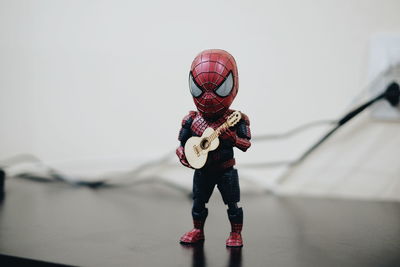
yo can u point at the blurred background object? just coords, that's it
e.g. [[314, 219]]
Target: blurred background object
[[88, 87]]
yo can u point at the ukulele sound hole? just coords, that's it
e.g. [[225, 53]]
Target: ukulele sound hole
[[204, 144]]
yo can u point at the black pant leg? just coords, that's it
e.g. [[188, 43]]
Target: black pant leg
[[228, 185], [203, 186]]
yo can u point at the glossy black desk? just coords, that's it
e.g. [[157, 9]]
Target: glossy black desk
[[140, 226]]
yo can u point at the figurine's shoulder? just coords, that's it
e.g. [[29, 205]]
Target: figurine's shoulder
[[188, 119], [245, 118], [191, 115]]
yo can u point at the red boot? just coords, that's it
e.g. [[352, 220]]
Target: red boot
[[195, 235], [235, 238]]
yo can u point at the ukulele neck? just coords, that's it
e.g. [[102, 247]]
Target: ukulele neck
[[218, 131]]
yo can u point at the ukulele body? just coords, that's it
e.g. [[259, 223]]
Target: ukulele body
[[197, 148]]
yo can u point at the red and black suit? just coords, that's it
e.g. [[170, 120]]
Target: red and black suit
[[214, 83]]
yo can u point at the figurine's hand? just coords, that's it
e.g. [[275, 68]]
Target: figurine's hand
[[182, 158], [230, 136]]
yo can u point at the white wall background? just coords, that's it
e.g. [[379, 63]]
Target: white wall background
[[87, 80]]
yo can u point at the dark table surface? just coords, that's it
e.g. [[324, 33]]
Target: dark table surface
[[141, 225]]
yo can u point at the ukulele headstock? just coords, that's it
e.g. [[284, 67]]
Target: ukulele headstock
[[234, 118]]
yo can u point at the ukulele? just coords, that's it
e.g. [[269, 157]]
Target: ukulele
[[197, 148]]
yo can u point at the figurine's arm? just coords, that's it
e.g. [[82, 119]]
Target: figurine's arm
[[184, 134], [241, 137], [243, 133]]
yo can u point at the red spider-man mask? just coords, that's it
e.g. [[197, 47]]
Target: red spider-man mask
[[213, 82]]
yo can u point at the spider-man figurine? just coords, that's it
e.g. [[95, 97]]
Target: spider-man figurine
[[213, 82]]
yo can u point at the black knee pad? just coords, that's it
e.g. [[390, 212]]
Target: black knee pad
[[198, 205], [235, 215], [200, 215]]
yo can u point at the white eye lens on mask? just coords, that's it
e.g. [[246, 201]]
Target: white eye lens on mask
[[226, 87], [194, 89]]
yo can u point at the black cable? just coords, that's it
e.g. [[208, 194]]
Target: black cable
[[391, 94], [293, 131]]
